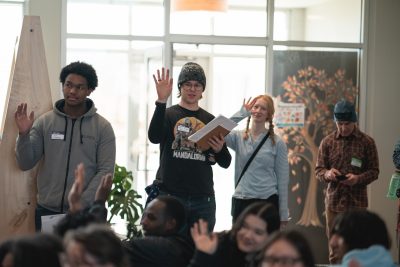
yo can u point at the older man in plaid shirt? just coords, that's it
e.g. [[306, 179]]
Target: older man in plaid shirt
[[347, 162]]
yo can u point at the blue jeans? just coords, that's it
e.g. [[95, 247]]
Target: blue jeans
[[197, 207]]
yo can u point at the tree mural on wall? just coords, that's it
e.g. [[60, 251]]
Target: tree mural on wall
[[319, 92]]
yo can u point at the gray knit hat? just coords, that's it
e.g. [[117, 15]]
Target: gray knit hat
[[192, 72], [344, 111]]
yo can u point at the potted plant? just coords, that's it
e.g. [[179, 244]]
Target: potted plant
[[123, 200]]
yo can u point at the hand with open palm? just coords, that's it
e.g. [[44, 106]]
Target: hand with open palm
[[163, 85], [75, 194], [204, 241], [23, 121], [248, 105]]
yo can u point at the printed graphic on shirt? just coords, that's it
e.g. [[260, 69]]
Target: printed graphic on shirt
[[181, 146]]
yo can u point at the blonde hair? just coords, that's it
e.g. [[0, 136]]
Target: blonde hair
[[271, 111]]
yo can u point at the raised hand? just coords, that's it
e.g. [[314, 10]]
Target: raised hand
[[163, 85], [104, 188], [75, 194], [249, 104], [204, 241], [24, 123]]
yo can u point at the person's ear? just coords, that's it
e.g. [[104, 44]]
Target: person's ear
[[170, 225], [89, 92]]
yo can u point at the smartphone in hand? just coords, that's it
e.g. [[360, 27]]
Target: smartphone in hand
[[341, 177]]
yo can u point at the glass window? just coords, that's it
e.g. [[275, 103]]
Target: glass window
[[95, 18], [11, 15], [323, 21], [147, 18], [243, 18], [116, 17], [121, 92]]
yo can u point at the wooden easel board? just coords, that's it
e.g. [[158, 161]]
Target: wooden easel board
[[29, 83]]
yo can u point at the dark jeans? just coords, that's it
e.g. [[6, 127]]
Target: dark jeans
[[238, 205], [39, 212], [196, 207]]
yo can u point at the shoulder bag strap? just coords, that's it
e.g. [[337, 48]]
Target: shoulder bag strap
[[251, 158]]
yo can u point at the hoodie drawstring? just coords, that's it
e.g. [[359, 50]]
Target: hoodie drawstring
[[66, 126], [80, 130]]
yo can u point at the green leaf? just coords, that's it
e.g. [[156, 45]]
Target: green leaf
[[123, 200]]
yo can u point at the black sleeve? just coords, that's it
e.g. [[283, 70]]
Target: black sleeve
[[202, 259], [223, 158], [156, 128], [155, 251]]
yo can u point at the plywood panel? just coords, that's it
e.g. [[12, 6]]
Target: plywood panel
[[29, 82]]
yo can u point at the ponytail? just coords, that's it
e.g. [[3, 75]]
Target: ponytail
[[246, 132]]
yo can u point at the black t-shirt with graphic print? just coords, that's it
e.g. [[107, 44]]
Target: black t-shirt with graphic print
[[184, 168]]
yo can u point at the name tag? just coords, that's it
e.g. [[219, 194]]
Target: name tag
[[57, 136], [183, 128], [356, 162]]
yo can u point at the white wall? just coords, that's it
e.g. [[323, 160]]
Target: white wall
[[383, 98]]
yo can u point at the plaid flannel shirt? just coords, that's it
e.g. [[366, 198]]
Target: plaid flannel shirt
[[337, 152]]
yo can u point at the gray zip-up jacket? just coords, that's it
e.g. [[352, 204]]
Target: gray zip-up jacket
[[63, 143]]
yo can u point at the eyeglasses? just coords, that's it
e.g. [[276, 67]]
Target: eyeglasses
[[282, 261], [79, 87], [196, 86]]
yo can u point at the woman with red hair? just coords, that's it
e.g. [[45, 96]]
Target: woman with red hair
[[267, 176]]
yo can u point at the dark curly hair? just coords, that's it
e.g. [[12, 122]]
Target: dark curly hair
[[82, 69]]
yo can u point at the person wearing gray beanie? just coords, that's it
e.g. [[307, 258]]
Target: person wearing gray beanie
[[347, 162], [344, 111], [185, 169], [191, 72]]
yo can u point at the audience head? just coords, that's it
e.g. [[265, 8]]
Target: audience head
[[33, 250], [357, 230], [253, 226], [94, 245], [164, 215], [286, 248]]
